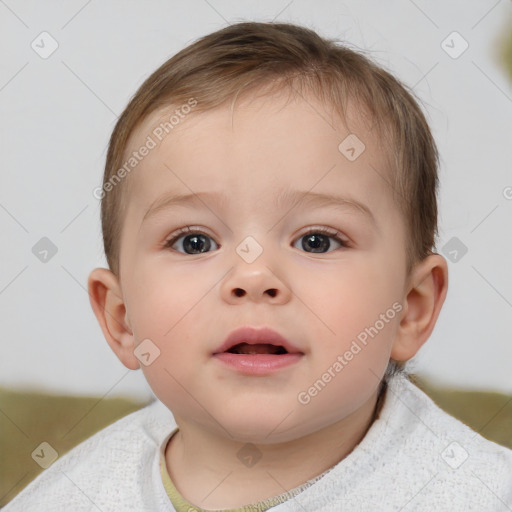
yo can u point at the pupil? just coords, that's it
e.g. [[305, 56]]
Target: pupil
[[195, 243], [315, 242]]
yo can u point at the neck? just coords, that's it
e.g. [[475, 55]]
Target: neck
[[205, 472]]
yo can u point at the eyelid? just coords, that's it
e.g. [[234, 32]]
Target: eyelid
[[171, 239], [331, 232]]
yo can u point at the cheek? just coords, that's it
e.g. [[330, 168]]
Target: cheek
[[166, 303], [162, 297], [362, 314], [352, 293], [356, 313]]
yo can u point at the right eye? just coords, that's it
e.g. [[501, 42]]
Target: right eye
[[190, 241]]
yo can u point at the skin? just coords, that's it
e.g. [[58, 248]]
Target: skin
[[187, 304]]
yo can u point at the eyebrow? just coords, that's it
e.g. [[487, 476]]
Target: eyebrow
[[297, 198], [169, 201], [285, 198]]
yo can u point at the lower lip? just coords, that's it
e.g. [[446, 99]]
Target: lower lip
[[257, 364]]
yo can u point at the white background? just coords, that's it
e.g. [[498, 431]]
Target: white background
[[57, 115]]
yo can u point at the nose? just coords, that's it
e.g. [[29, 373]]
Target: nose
[[254, 282]]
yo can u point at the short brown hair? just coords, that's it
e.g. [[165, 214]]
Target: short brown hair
[[245, 56]]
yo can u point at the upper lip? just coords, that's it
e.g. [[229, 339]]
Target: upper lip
[[254, 336]]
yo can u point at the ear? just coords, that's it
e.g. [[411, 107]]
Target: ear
[[425, 294], [108, 305]]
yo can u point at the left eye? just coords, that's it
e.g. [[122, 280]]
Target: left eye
[[319, 241], [192, 243]]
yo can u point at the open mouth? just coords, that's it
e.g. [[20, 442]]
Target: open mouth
[[259, 352], [258, 348]]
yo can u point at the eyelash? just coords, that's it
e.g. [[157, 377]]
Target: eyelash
[[327, 232], [188, 230], [191, 230]]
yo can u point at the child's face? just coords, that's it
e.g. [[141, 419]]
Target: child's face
[[312, 290]]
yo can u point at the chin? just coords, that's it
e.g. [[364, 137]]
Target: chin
[[262, 428]]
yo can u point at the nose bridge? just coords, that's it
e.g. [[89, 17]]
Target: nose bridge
[[254, 275]]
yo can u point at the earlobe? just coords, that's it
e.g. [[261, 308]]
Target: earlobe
[[425, 295], [108, 305]]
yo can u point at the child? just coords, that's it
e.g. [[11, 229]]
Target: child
[[269, 217]]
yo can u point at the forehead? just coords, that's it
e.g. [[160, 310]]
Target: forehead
[[263, 144]]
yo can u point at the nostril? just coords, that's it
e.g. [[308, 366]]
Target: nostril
[[239, 292]]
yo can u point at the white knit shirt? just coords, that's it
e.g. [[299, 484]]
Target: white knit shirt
[[414, 457]]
